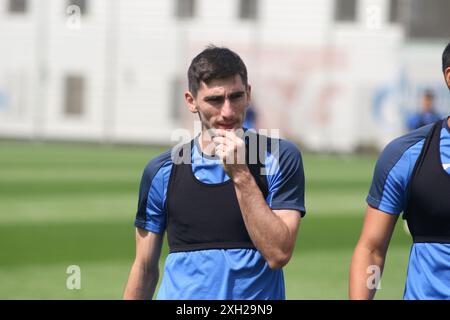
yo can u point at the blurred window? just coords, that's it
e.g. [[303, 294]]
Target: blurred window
[[428, 19], [18, 6], [248, 9], [74, 95], [185, 9], [394, 11], [176, 97], [345, 10], [79, 3]]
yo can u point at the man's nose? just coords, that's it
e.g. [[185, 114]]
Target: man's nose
[[227, 109]]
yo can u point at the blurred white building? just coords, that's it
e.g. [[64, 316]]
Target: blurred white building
[[333, 75]]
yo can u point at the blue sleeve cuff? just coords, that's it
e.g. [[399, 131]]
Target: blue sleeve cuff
[[149, 226], [374, 203], [288, 206]]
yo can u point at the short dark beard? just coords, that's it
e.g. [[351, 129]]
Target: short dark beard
[[201, 121]]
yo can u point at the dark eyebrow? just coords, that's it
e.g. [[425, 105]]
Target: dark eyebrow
[[213, 98], [232, 95], [237, 94]]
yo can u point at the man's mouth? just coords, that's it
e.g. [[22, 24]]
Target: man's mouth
[[230, 125]]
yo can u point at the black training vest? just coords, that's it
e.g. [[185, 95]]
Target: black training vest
[[428, 207], [206, 216]]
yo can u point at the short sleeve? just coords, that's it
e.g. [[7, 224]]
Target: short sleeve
[[388, 192], [286, 179], [151, 214], [393, 186]]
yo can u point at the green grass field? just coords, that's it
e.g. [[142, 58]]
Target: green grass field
[[64, 204]]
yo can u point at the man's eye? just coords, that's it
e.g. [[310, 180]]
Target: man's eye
[[237, 96], [215, 100]]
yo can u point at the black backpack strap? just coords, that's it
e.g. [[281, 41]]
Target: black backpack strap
[[426, 146]]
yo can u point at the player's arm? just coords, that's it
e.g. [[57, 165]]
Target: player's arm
[[144, 272], [370, 252], [273, 232]]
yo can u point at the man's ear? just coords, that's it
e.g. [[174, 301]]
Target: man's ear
[[190, 102], [447, 76]]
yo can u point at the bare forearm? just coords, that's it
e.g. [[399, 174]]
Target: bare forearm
[[365, 272], [267, 231], [141, 283]]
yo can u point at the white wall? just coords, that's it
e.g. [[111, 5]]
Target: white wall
[[331, 86]]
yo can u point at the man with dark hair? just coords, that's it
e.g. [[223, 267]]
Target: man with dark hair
[[427, 114], [231, 222], [446, 59], [412, 175]]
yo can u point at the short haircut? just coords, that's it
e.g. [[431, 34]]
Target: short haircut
[[446, 58], [429, 93], [215, 63]]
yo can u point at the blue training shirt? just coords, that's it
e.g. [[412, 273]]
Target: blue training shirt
[[429, 263], [220, 273]]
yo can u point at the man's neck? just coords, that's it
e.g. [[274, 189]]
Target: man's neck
[[206, 144]]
